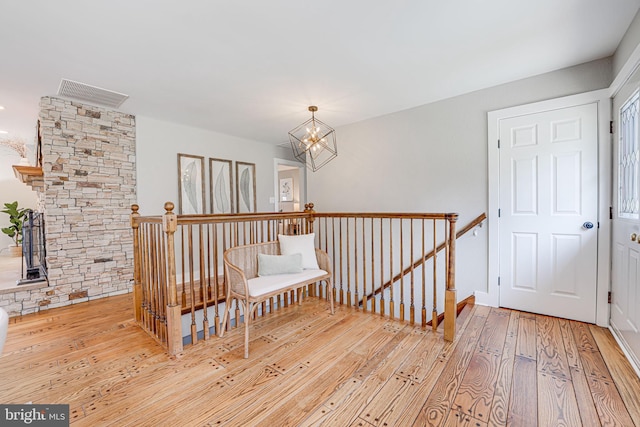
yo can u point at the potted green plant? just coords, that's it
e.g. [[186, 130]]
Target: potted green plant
[[16, 217]]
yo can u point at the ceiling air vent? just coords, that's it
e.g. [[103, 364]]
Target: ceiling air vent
[[91, 94]]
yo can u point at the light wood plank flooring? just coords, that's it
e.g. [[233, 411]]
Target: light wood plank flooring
[[309, 368]]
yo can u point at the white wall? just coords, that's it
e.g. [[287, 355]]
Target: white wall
[[157, 145], [433, 158], [11, 189], [627, 45]]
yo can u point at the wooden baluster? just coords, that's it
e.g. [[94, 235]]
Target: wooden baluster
[[224, 248], [412, 310], [326, 249], [355, 263], [137, 287], [450, 301], [382, 307], [373, 266], [144, 276], [141, 259], [203, 285], [434, 313], [401, 269], [174, 332], [235, 234], [216, 278], [162, 280], [151, 291], [424, 279], [364, 270], [155, 295], [333, 257], [348, 238], [183, 265], [192, 290], [237, 313], [209, 231], [391, 301]]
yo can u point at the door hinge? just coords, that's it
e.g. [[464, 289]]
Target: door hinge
[[610, 212], [498, 213], [609, 297], [499, 282], [498, 144], [611, 126]]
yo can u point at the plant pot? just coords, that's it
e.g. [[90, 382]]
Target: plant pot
[[15, 251]]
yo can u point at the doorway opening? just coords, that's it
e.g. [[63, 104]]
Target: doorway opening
[[290, 182]]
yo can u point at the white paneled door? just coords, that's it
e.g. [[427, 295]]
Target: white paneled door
[[548, 212]]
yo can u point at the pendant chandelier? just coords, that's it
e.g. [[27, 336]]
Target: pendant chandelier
[[313, 142]]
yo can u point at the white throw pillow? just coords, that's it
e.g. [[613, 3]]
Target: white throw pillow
[[268, 265], [302, 244]]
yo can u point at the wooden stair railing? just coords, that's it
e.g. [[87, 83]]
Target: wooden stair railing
[[177, 264], [435, 317]]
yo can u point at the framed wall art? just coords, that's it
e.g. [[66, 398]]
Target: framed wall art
[[221, 185], [190, 184], [286, 189], [246, 187]]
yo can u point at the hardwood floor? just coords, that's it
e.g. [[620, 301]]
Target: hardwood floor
[[309, 368]]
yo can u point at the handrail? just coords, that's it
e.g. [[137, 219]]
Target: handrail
[[479, 219]]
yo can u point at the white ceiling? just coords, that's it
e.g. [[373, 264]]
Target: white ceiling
[[251, 68]]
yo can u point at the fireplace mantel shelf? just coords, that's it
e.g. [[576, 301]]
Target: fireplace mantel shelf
[[27, 174]]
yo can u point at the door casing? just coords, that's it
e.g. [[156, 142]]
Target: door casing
[[492, 295]]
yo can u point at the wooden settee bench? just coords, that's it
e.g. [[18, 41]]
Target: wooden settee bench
[[244, 284]]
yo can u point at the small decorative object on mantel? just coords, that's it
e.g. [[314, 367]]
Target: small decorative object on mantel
[[314, 142], [19, 146], [16, 218]]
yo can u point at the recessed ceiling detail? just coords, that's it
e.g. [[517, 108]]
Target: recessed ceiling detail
[[92, 94]]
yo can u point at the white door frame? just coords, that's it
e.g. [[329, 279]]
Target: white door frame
[[601, 97], [276, 182]]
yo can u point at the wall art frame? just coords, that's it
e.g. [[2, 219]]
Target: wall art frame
[[246, 187], [286, 189], [222, 199], [191, 184]]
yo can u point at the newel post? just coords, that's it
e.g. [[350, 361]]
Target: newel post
[[137, 286], [174, 329], [308, 209], [450, 301]]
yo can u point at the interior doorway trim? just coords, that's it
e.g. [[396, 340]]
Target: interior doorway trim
[[601, 97], [276, 183]]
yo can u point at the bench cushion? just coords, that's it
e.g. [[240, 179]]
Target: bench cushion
[[266, 284]]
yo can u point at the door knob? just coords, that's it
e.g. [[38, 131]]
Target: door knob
[[634, 236], [587, 225]]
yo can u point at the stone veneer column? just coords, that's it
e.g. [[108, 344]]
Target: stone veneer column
[[88, 158]]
